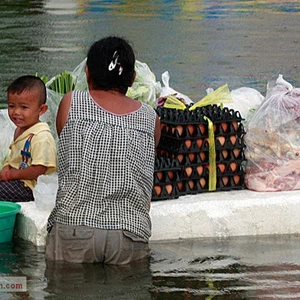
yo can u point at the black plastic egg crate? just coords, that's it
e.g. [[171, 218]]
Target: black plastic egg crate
[[184, 143]]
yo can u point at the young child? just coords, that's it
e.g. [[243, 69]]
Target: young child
[[33, 150]]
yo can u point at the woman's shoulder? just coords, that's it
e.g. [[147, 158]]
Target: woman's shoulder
[[148, 108]]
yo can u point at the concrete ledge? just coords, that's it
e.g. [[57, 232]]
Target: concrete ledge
[[215, 214], [224, 214], [31, 224]]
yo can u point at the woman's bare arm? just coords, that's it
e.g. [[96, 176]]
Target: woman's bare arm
[[63, 112]]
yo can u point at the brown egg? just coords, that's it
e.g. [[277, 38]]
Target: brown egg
[[191, 184], [180, 186], [221, 139], [157, 189], [191, 129], [202, 182], [236, 179], [159, 175], [221, 167], [180, 158], [188, 143], [192, 157], [202, 156], [188, 171], [199, 142], [224, 153], [225, 180], [169, 188], [215, 127], [200, 170], [171, 174], [235, 125], [224, 126], [236, 152], [233, 139], [163, 125], [179, 128], [202, 128], [233, 166], [162, 152]]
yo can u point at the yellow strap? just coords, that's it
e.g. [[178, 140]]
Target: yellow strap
[[174, 103], [219, 96], [212, 180]]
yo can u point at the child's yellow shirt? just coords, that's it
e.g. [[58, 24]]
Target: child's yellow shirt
[[42, 149]]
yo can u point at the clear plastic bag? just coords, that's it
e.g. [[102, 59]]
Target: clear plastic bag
[[166, 90], [80, 76], [246, 101], [45, 191], [53, 100], [6, 135], [145, 88], [273, 141]]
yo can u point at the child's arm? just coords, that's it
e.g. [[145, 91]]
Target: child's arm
[[32, 172], [3, 173]]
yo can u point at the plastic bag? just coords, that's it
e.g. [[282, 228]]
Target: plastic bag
[[273, 141], [145, 88], [45, 191], [80, 76], [6, 135], [166, 90], [246, 101], [53, 100]]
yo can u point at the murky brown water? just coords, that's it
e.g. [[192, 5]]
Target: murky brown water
[[202, 44]]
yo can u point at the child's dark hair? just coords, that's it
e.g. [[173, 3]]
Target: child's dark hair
[[27, 83], [110, 63]]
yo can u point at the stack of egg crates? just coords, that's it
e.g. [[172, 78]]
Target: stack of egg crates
[[166, 178], [184, 138]]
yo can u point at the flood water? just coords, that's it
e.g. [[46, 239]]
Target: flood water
[[232, 268], [202, 44]]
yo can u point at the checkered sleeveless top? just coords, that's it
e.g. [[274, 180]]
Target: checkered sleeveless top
[[106, 165]]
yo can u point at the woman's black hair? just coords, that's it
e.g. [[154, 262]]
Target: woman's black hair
[[110, 63]]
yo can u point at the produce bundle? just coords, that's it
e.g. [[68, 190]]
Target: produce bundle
[[206, 143], [273, 141], [62, 83]]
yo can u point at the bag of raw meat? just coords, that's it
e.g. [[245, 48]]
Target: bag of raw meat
[[273, 141]]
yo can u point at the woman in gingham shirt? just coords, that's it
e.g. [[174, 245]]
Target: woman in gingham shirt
[[106, 163]]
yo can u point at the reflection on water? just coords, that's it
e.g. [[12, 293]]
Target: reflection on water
[[171, 9], [236, 268], [201, 43], [233, 268]]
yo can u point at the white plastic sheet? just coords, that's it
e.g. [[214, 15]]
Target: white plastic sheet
[[6, 135], [166, 90]]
